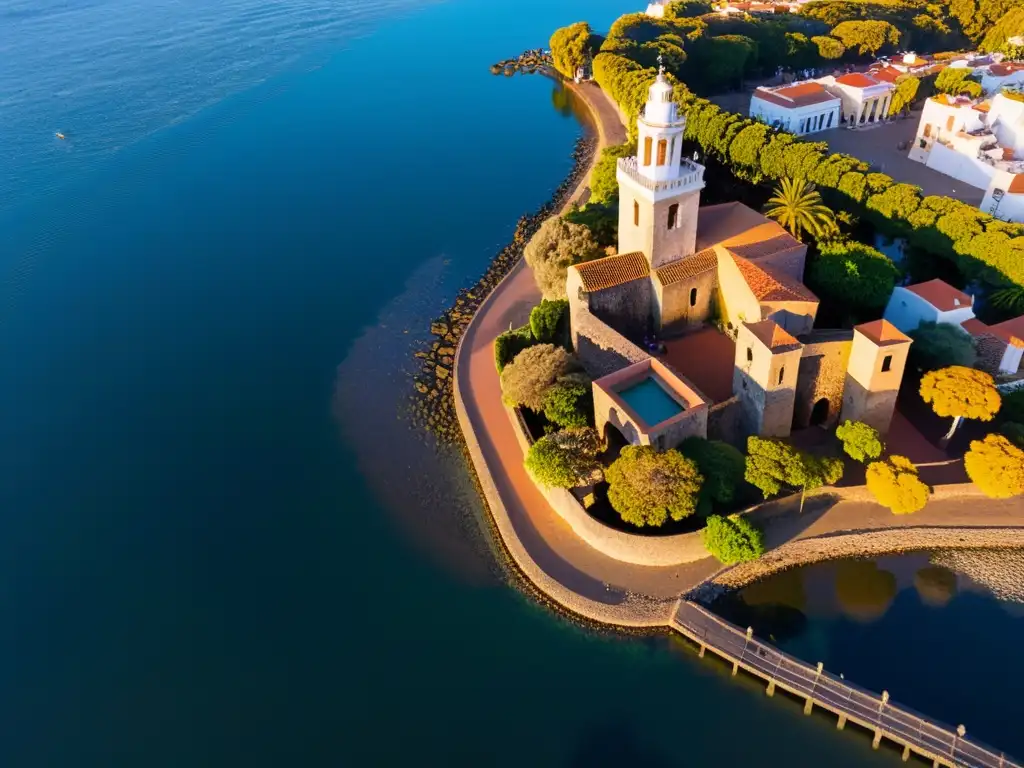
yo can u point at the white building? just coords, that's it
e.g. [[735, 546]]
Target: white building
[[800, 108], [865, 99], [657, 9], [980, 143], [1000, 347], [995, 76]]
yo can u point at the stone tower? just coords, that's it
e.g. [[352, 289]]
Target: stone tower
[[659, 192], [764, 377], [873, 375]]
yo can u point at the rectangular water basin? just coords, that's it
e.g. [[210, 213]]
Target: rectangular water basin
[[649, 400]]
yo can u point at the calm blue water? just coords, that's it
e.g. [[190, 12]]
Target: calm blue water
[[220, 544], [650, 402]]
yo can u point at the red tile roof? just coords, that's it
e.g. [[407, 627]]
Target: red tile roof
[[799, 95], [699, 263], [882, 332], [941, 295], [1011, 331], [771, 286], [887, 74], [1002, 70], [857, 80], [612, 271], [772, 335]]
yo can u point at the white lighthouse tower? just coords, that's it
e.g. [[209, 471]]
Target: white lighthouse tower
[[659, 192]]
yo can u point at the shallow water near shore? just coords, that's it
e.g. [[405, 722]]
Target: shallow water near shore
[[220, 542]]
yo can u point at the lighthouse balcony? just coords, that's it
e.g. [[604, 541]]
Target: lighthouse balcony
[[689, 174]]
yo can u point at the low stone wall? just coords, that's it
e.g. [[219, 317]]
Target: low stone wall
[[725, 422], [600, 348], [651, 551]]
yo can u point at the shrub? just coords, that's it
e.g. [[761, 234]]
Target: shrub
[[647, 487], [722, 467], [1013, 431], [1013, 406], [604, 187], [894, 484], [556, 246], [938, 345], [732, 539], [565, 459], [511, 343], [569, 402], [860, 441], [548, 318], [996, 466], [601, 219], [531, 373], [853, 274]]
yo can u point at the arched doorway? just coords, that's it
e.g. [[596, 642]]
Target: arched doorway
[[614, 441], [819, 414]]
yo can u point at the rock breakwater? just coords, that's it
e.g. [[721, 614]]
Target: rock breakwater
[[527, 62], [1001, 571], [432, 402]]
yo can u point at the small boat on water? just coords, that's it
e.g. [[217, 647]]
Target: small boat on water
[[60, 135]]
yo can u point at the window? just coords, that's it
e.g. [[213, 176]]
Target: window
[[782, 373], [887, 363], [801, 128], [636, 214], [830, 116], [673, 215], [927, 130], [662, 147], [693, 297], [750, 354], [648, 141]]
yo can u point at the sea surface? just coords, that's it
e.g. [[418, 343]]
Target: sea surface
[[220, 542]]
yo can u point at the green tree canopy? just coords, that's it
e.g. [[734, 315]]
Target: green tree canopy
[[602, 219], [722, 467], [604, 188], [511, 343], [773, 465], [860, 441], [647, 487], [797, 206], [996, 466], [938, 345], [526, 380], [868, 37], [555, 247], [569, 402], [732, 539], [956, 81], [548, 319], [829, 47], [565, 459], [718, 63], [894, 484], [853, 275], [963, 393], [570, 48]]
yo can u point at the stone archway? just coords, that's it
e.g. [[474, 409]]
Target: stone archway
[[614, 441], [819, 413]]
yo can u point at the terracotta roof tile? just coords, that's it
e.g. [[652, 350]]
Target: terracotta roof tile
[[857, 80], [684, 269], [886, 74], [882, 332], [771, 286], [611, 271], [742, 229], [1011, 331], [772, 335], [793, 96], [941, 295], [1016, 184], [975, 327], [1002, 70]]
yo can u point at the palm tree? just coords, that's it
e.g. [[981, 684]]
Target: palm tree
[[797, 206], [1010, 298]]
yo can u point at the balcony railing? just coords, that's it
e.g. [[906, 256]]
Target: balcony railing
[[691, 174]]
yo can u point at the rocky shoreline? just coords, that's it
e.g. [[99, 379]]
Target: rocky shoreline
[[432, 404], [527, 62]]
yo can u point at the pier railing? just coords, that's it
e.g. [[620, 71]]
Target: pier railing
[[917, 733]]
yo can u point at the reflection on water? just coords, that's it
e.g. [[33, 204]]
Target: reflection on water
[[940, 631]]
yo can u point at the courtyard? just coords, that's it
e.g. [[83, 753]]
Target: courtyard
[[705, 357]]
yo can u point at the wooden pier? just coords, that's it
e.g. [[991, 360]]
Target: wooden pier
[[943, 745]]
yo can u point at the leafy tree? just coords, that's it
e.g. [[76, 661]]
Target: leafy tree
[[686, 9], [555, 247], [604, 188], [860, 441], [1013, 407], [1009, 298], [853, 275], [1013, 431], [868, 37], [647, 487], [996, 466], [511, 343], [904, 95], [829, 47], [961, 393], [722, 467], [938, 345], [718, 63], [548, 318], [976, 17], [894, 484], [526, 380], [570, 48], [956, 81], [569, 402], [600, 218], [732, 539], [997, 37], [565, 459], [797, 206], [773, 464]]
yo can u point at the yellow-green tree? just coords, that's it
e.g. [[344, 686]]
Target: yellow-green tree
[[570, 48], [894, 484], [996, 466], [962, 393]]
